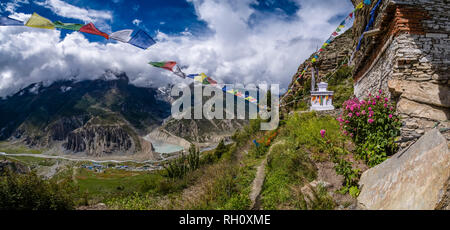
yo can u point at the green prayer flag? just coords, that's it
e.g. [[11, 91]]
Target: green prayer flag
[[68, 26]]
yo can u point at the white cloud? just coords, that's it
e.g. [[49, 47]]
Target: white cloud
[[64, 9], [11, 6], [269, 51], [137, 22]]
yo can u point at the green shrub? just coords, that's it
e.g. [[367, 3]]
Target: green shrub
[[372, 125], [30, 192]]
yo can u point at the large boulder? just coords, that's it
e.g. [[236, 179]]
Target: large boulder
[[412, 179]]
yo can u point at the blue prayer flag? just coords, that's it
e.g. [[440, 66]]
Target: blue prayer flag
[[142, 40], [7, 21], [192, 75]]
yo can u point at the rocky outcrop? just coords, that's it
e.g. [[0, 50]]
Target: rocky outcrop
[[412, 179], [99, 141], [60, 129], [164, 136], [13, 167]]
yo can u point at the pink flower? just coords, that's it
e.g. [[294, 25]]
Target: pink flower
[[378, 97], [363, 112], [363, 102], [350, 115], [374, 102], [357, 114], [322, 133], [370, 121], [347, 122], [390, 116], [381, 91], [385, 105], [386, 99], [370, 109], [351, 134]]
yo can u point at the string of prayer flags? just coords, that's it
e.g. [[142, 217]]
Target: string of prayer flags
[[7, 21], [142, 40], [38, 21], [372, 18], [91, 29], [179, 73], [202, 78], [336, 33], [122, 35], [68, 26]]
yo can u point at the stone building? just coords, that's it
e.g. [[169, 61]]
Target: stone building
[[406, 53]]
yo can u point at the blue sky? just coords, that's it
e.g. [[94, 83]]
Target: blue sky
[[245, 41]]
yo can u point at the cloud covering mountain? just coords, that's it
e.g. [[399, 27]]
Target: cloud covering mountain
[[243, 44]]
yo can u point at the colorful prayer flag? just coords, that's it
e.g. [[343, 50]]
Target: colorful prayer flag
[[164, 65], [359, 6], [38, 21], [122, 35], [7, 21], [91, 29], [142, 40], [68, 26]]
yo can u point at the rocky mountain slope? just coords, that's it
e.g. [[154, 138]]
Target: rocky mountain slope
[[204, 131], [99, 118]]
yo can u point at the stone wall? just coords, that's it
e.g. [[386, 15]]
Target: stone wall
[[408, 58]]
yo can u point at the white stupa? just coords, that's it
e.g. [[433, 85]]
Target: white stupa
[[322, 99]]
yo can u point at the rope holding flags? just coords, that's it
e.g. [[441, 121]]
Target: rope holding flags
[[372, 18], [140, 39], [339, 30], [205, 80]]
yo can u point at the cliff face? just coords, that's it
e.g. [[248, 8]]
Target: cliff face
[[406, 55], [204, 130]]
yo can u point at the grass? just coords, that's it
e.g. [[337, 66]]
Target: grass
[[291, 163], [18, 149], [221, 184], [112, 182], [32, 161]]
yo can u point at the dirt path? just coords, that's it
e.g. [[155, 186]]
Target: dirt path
[[255, 194]]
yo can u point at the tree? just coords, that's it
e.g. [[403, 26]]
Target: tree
[[220, 150], [269, 99], [30, 192]]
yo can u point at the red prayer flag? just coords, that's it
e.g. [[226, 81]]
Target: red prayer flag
[[169, 65], [91, 29]]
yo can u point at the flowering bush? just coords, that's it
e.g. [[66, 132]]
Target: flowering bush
[[372, 125]]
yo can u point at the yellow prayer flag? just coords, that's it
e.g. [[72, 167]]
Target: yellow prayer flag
[[360, 5], [38, 21]]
